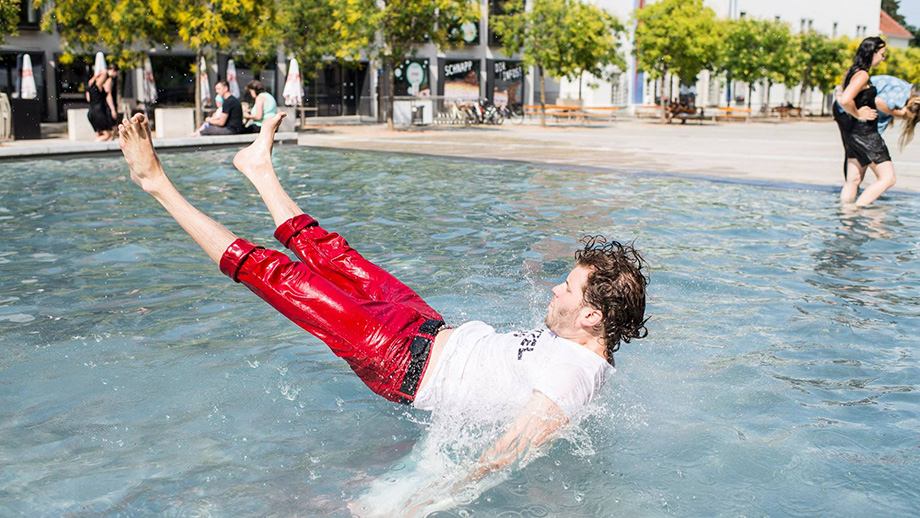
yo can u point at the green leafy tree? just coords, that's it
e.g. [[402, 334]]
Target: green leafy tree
[[119, 27], [302, 28], [780, 51], [756, 50], [122, 27], [903, 63], [742, 56], [594, 36], [821, 61], [680, 37], [9, 18], [562, 38], [391, 31]]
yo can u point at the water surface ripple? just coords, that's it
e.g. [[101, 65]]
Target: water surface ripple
[[779, 377]]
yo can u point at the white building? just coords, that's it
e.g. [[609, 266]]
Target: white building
[[850, 18]]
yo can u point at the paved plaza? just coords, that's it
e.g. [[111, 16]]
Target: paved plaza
[[807, 152]]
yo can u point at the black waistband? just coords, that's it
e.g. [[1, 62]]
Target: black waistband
[[420, 348]]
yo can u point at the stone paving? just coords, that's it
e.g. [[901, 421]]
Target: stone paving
[[807, 152], [803, 152]]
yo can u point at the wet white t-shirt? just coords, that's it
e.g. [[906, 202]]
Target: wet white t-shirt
[[498, 372]]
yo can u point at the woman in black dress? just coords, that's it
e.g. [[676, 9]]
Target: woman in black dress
[[102, 112], [862, 142]]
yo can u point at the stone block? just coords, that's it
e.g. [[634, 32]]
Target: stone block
[[78, 126], [174, 122]]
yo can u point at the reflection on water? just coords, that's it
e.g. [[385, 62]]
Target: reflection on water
[[779, 377]]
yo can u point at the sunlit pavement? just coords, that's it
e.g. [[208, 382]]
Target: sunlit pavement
[[808, 152]]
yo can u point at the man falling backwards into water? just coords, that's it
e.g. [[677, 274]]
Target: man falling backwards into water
[[398, 345]]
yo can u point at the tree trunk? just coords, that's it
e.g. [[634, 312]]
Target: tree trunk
[[199, 113], [664, 110], [750, 99], [580, 77], [769, 86], [391, 94], [542, 96]]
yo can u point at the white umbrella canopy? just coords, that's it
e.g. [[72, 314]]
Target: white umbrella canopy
[[27, 88], [293, 86], [99, 64], [231, 79], [149, 91]]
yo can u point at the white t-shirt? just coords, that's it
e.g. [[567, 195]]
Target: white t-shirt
[[498, 372]]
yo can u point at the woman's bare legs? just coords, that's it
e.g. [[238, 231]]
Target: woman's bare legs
[[855, 175], [255, 162], [885, 179], [146, 171]]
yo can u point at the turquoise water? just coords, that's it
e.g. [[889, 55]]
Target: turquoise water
[[779, 377]]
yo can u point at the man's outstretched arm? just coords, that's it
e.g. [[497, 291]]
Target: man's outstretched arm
[[536, 426]]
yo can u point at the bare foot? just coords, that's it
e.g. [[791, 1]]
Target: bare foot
[[256, 160], [137, 145]]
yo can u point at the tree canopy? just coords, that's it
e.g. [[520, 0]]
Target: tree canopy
[[562, 38], [392, 31], [9, 18], [755, 50], [680, 37]]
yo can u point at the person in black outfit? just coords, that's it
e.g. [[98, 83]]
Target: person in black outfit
[[230, 120], [856, 116], [102, 114]]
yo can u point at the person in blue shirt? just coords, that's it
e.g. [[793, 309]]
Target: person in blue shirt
[[891, 99]]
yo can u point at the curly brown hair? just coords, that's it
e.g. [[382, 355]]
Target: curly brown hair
[[616, 288]]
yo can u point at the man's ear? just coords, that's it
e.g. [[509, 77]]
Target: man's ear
[[591, 317]]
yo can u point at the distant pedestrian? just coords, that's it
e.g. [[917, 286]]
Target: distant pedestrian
[[102, 114], [264, 106], [862, 142], [226, 121]]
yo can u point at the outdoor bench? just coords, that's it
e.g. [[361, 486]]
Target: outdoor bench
[[732, 113]]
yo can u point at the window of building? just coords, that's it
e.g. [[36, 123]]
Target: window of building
[[174, 78], [834, 30], [29, 16]]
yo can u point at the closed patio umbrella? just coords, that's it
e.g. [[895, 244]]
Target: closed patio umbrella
[[99, 64], [231, 79], [27, 88], [293, 86], [149, 90], [203, 83]]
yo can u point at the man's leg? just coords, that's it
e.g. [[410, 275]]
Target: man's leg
[[146, 171], [369, 337], [324, 252]]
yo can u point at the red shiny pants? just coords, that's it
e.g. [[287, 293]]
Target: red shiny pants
[[382, 328]]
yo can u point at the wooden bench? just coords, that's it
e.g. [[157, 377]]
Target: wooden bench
[[732, 113], [648, 110], [608, 113], [556, 111], [699, 115], [787, 111]]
